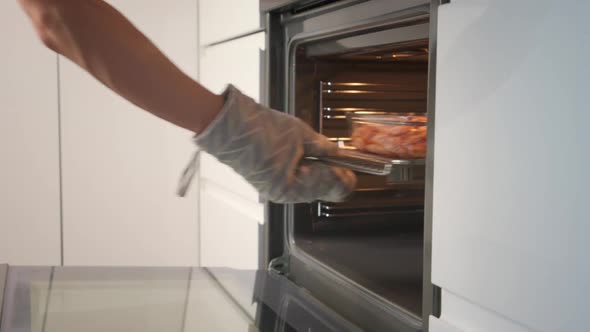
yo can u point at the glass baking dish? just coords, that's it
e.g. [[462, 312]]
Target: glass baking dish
[[400, 136]]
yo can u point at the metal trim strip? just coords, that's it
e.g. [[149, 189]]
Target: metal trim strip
[[431, 295], [242, 35], [3, 281]]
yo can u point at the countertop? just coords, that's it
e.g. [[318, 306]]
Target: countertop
[[64, 299]]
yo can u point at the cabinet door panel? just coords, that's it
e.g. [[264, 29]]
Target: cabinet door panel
[[221, 20], [121, 165], [29, 144], [229, 226], [231, 214], [230, 238], [511, 156], [219, 67]]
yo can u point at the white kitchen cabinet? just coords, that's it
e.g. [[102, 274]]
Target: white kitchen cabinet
[[121, 165], [219, 20], [511, 176], [210, 309], [237, 62], [229, 228], [230, 237], [29, 144], [230, 209], [437, 325]]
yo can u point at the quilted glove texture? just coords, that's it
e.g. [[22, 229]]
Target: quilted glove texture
[[267, 148]]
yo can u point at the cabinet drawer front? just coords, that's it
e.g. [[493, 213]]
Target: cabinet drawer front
[[229, 229], [236, 62], [219, 20]]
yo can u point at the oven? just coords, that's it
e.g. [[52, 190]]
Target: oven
[[367, 258]]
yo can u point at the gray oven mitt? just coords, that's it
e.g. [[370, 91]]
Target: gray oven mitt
[[267, 148]]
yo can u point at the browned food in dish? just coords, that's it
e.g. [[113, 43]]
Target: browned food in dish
[[394, 141]]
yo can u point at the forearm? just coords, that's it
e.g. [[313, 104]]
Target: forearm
[[99, 39]]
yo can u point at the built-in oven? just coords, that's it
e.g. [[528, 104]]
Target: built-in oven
[[367, 258]]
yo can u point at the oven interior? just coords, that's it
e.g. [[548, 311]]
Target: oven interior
[[374, 239]]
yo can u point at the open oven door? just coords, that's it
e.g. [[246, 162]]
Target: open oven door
[[285, 307], [511, 177], [362, 258]]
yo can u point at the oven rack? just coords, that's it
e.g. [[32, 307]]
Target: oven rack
[[379, 198], [384, 203], [337, 99]]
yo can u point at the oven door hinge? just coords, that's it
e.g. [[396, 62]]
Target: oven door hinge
[[279, 265]]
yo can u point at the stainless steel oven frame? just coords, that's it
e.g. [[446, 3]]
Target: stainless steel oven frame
[[286, 28]]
